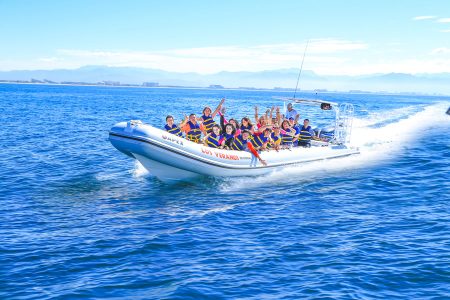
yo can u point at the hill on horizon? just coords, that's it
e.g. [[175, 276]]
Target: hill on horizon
[[283, 78]]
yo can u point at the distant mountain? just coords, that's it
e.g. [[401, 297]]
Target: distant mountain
[[285, 78]]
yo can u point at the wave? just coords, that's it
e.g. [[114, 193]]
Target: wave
[[139, 171], [397, 134], [376, 144]]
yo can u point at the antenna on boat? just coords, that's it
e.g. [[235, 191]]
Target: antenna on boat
[[301, 68]]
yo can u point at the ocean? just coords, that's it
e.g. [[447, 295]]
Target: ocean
[[78, 219]]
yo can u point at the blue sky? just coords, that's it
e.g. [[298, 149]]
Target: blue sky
[[346, 37]]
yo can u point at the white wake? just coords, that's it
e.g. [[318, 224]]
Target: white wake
[[380, 137]]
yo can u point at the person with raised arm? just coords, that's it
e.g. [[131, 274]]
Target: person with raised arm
[[256, 115], [207, 118], [228, 126], [270, 120], [262, 122], [278, 116]]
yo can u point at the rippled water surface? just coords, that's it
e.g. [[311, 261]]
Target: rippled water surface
[[78, 219]]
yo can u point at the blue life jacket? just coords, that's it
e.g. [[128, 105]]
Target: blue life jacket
[[258, 140], [239, 143], [305, 134], [286, 139], [248, 127], [208, 122], [275, 139], [194, 133], [229, 139], [228, 136], [213, 140], [173, 130]]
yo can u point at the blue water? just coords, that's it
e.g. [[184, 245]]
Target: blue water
[[78, 219]]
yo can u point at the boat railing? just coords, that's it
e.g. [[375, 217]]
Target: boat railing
[[344, 123]]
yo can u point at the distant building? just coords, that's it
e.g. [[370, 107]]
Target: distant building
[[150, 84], [216, 86], [110, 82], [320, 90], [79, 83], [278, 88], [358, 92]]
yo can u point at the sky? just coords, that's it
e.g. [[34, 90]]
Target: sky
[[342, 37]]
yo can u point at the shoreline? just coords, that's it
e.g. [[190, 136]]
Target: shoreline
[[228, 89]]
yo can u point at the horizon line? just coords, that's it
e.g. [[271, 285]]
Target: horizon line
[[222, 71]]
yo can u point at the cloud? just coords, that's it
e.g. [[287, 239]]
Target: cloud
[[323, 56], [227, 58], [443, 20], [420, 18], [441, 50], [49, 59], [331, 46], [445, 30]]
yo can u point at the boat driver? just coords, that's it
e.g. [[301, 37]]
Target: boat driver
[[291, 113]]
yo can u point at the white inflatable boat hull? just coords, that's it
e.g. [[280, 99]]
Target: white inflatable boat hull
[[169, 157]]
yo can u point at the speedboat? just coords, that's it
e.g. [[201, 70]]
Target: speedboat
[[173, 158]]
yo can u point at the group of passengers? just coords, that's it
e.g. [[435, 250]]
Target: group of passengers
[[270, 132]]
